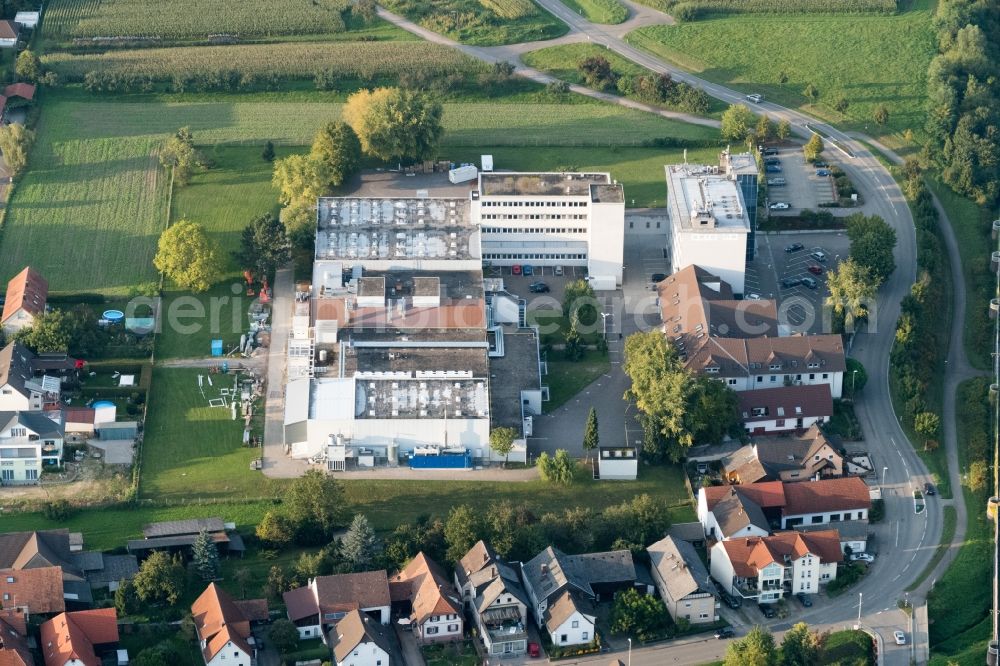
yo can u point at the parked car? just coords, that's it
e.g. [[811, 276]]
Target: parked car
[[818, 256], [815, 270], [794, 247], [725, 632], [528, 269], [538, 288], [862, 557], [769, 151], [768, 610], [900, 637], [772, 160], [821, 165], [534, 650], [804, 599], [822, 172], [558, 270], [772, 168], [788, 283], [702, 468], [731, 601], [752, 297], [776, 182], [810, 282], [929, 489], [780, 205], [515, 269]]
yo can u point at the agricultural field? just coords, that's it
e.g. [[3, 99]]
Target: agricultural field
[[688, 10], [360, 60], [869, 60], [482, 22], [108, 21], [608, 12]]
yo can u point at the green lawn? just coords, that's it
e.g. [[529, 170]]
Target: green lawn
[[567, 378], [848, 647], [869, 60], [599, 11], [482, 22], [461, 654], [190, 322]]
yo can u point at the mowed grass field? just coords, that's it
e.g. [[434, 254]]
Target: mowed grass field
[[90, 208], [870, 60], [599, 11]]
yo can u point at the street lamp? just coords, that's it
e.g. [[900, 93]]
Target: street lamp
[[604, 323], [884, 470], [860, 594], [854, 379], [630, 652]]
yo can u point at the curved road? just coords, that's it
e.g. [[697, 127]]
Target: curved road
[[906, 539]]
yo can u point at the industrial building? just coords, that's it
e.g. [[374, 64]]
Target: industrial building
[[742, 168], [709, 221], [553, 219]]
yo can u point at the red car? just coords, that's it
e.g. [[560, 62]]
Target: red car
[[534, 651], [515, 269], [816, 270]]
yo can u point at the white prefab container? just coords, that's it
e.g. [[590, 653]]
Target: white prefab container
[[603, 282], [487, 161], [463, 174]]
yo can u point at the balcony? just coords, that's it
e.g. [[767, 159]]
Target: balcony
[[504, 624]]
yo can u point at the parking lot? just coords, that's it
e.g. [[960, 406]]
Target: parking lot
[[799, 306], [802, 188]]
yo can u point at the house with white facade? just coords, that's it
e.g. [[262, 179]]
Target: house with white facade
[[729, 512], [807, 456], [435, 609], [570, 619], [765, 569], [79, 638], [324, 600], [493, 595], [22, 389], [223, 626], [27, 292], [29, 441], [358, 640], [8, 34], [683, 581], [553, 219], [785, 409], [617, 463], [828, 501]]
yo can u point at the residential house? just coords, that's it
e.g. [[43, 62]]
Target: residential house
[[854, 534], [617, 463], [826, 501], [29, 442], [14, 648], [79, 638], [38, 591], [435, 609], [561, 588], [224, 627], [683, 581], [22, 388], [496, 600], [317, 606], [27, 291], [802, 457], [728, 512], [358, 640], [786, 408], [8, 34], [179, 535], [26, 19], [765, 569]]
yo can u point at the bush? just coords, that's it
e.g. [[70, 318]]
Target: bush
[[58, 510], [846, 577]]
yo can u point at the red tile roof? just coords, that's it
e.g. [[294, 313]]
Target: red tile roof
[[8, 30], [14, 650], [749, 555], [41, 589], [339, 593], [25, 90], [767, 495], [826, 495], [786, 402], [430, 591], [219, 622], [27, 290], [72, 636]]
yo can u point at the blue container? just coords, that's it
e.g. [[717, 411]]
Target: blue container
[[445, 461]]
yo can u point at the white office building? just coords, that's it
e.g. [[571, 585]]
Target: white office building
[[553, 219], [709, 222]]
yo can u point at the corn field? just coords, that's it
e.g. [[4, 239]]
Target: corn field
[[510, 9], [191, 19]]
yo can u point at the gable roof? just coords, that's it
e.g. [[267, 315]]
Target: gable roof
[[8, 30], [41, 590], [480, 556], [552, 570], [37, 422], [219, 622], [766, 457], [767, 495], [73, 635], [488, 577], [562, 608], [737, 507], [430, 591], [32, 550], [733, 357], [356, 628], [183, 527], [15, 366], [27, 290], [23, 90], [339, 593], [786, 402], [679, 567], [14, 649], [850, 493], [748, 555]]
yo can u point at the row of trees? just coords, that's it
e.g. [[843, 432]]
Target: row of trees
[[740, 124], [855, 282], [799, 647], [598, 73], [677, 407]]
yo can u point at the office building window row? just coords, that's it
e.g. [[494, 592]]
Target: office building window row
[[519, 203], [531, 255], [531, 216], [534, 230]]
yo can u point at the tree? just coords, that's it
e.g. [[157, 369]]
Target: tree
[[284, 635], [28, 67], [275, 529], [813, 148], [264, 246], [187, 256], [579, 299], [15, 142], [851, 289], [784, 129], [881, 115], [840, 103], [360, 545], [765, 129], [308, 566], [737, 122], [642, 520], [50, 332], [366, 10], [712, 411], [640, 616], [591, 436], [461, 531], [268, 154], [872, 243], [126, 600], [315, 505], [801, 647], [755, 649], [597, 72], [927, 424], [299, 178], [395, 124], [338, 151], [277, 582], [242, 576], [573, 343], [180, 155], [160, 578], [978, 476], [811, 92], [558, 468], [502, 441], [205, 556]]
